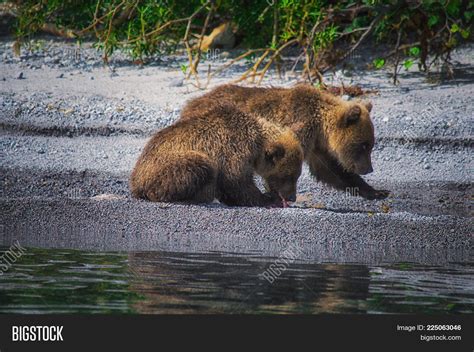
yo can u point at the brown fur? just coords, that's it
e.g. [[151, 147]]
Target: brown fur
[[337, 136], [214, 155], [222, 36]]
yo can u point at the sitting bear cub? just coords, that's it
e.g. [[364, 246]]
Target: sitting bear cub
[[215, 155]]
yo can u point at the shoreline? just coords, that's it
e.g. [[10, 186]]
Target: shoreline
[[70, 135]]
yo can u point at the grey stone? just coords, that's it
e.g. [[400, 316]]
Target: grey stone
[[177, 82]]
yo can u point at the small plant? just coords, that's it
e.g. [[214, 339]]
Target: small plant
[[413, 54], [379, 63]]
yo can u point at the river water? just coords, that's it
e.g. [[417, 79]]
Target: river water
[[72, 281]]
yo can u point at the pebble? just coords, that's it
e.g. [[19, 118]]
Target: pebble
[[20, 76], [177, 82]]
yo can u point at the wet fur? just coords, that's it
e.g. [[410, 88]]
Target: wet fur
[[331, 133], [215, 155]]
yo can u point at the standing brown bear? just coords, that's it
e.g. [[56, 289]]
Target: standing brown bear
[[215, 155], [337, 136]]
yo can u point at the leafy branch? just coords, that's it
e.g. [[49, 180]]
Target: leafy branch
[[319, 35]]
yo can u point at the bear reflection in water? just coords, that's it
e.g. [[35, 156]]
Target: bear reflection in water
[[219, 283]]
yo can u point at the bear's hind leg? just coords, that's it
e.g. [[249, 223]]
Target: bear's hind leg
[[187, 177]]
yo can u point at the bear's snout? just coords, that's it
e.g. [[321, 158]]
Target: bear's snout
[[368, 170]]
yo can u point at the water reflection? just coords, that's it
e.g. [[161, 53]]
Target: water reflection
[[220, 283], [63, 281]]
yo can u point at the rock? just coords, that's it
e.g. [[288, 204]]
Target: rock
[[107, 196], [61, 75], [177, 82], [20, 76]]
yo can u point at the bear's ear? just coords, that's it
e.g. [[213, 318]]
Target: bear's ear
[[368, 105], [274, 153], [351, 116]]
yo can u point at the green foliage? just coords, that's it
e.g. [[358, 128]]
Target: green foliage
[[433, 20], [407, 64], [415, 51], [152, 27], [379, 63]]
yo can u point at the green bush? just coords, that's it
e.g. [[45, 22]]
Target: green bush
[[414, 29]]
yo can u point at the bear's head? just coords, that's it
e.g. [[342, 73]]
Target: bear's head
[[281, 165], [351, 137]]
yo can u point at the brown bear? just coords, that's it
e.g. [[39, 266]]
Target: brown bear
[[337, 136], [215, 155]]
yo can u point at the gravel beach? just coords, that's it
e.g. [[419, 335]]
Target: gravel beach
[[72, 129]]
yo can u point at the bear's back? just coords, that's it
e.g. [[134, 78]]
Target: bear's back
[[220, 130]]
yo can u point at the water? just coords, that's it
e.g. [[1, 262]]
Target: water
[[70, 281]]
